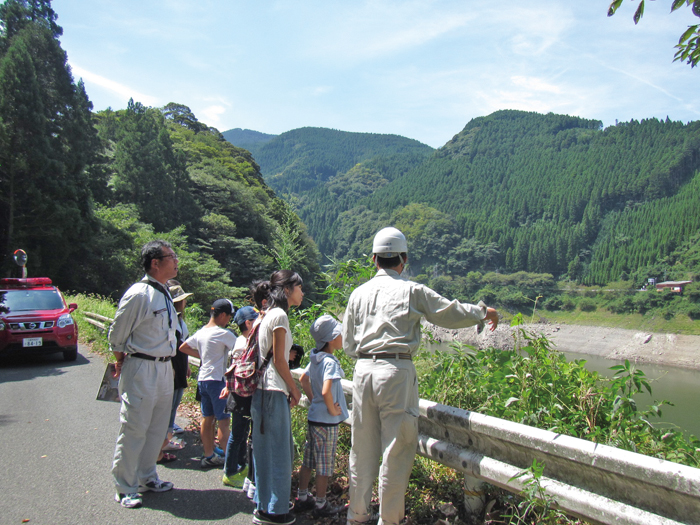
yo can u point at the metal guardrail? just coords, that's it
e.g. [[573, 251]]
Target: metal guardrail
[[598, 483], [100, 321], [595, 482]]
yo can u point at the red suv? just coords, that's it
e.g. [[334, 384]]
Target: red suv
[[34, 318]]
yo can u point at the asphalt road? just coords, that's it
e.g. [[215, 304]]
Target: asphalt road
[[56, 447]]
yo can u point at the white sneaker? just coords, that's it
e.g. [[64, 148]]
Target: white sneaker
[[246, 485], [130, 501], [251, 491]]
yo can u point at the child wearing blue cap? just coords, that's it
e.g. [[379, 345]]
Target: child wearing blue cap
[[321, 383], [237, 466]]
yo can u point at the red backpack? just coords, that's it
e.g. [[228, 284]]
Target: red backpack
[[243, 375]]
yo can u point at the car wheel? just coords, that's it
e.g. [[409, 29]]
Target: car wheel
[[70, 354]]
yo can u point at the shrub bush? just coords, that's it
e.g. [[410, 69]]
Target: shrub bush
[[568, 304], [553, 303], [622, 305], [587, 304], [693, 311]]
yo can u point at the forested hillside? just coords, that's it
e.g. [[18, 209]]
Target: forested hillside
[[81, 192], [513, 191], [324, 172], [247, 138], [554, 193]]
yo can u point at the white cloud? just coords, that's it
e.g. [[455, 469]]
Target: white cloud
[[116, 88], [535, 84], [378, 29], [212, 115], [536, 29]]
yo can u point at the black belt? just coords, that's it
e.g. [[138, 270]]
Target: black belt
[[150, 357], [385, 355]]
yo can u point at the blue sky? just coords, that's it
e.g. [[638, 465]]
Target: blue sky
[[421, 69]]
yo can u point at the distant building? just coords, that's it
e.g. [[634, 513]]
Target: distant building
[[675, 286]]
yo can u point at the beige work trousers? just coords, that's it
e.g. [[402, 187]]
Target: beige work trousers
[[384, 427], [146, 390]]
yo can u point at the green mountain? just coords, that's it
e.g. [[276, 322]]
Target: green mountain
[[513, 191], [324, 172], [247, 138], [164, 171], [559, 194]]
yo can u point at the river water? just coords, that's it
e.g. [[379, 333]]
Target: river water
[[676, 385]]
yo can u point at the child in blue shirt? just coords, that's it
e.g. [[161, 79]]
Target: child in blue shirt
[[321, 384]]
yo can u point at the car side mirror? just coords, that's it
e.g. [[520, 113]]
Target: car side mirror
[[72, 307]]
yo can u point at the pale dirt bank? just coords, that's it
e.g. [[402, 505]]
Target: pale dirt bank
[[613, 343]]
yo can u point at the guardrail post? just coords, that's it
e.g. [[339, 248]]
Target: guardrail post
[[474, 495]]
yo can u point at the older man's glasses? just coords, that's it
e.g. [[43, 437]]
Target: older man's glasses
[[169, 256]]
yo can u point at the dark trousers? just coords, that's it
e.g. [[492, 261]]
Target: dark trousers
[[236, 449]]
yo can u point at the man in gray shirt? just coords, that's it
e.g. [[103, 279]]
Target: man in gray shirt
[[142, 338]]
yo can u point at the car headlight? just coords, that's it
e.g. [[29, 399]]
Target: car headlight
[[64, 320]]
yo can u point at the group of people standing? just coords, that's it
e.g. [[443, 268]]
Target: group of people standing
[[381, 329]]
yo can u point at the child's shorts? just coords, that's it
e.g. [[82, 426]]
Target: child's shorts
[[319, 451], [211, 405]]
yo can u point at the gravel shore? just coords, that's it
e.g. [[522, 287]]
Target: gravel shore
[[681, 351]]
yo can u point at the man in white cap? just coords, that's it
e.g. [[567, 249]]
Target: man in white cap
[[381, 328]]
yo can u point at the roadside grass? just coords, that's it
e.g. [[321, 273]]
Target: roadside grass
[[89, 334]]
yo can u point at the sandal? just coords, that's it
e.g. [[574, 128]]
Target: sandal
[[167, 458], [174, 445]]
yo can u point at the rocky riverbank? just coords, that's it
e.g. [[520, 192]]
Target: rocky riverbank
[[613, 343]]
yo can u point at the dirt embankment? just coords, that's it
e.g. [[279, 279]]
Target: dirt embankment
[[613, 343]]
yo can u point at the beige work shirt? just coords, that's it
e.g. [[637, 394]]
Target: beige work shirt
[[384, 314], [145, 323]]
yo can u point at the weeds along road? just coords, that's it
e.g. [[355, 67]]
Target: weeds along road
[[56, 447]]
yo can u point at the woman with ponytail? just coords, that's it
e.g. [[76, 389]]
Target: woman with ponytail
[[276, 395]]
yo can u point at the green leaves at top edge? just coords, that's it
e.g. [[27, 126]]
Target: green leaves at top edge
[[613, 7], [688, 33], [639, 12], [678, 3]]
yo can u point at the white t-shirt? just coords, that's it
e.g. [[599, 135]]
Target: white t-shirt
[[274, 318], [213, 345], [238, 347]]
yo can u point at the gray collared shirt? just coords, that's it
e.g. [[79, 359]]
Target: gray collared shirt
[[145, 322], [383, 315]]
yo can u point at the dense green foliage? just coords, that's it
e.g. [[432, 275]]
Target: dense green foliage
[[540, 186], [513, 191], [324, 172], [82, 192], [170, 175], [45, 143], [536, 385]]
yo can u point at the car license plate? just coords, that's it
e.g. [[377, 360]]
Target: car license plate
[[32, 341]]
